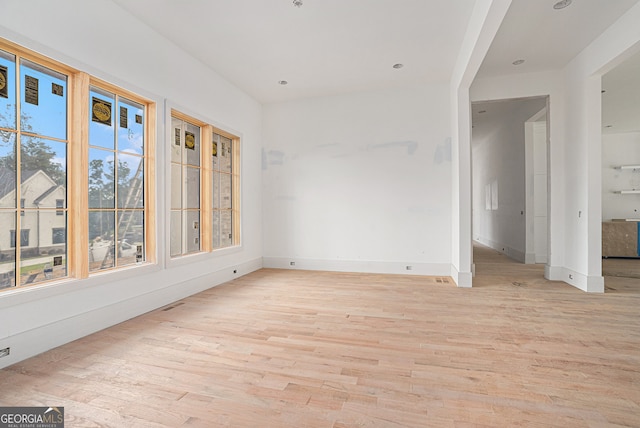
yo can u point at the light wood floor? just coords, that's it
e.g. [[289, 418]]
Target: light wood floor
[[311, 349], [629, 268]]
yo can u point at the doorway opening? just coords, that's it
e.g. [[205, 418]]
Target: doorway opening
[[621, 172], [510, 184]]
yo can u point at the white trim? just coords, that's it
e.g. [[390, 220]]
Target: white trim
[[362, 266], [553, 273], [512, 253], [530, 258], [590, 284], [462, 279]]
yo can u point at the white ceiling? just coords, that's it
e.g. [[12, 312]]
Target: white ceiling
[[547, 39], [490, 116], [324, 47], [620, 104], [336, 46]]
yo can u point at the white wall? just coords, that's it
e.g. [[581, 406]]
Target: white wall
[[500, 157], [620, 149], [583, 214], [359, 182], [100, 38], [537, 196]]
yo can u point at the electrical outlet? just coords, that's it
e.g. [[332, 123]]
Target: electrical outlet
[[292, 263], [5, 352], [409, 267]]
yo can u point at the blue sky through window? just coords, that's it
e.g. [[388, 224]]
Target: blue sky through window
[[48, 89], [8, 104], [101, 134]]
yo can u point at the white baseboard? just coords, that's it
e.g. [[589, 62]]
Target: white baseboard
[[31, 342], [416, 268], [553, 273], [530, 258], [462, 279], [512, 253], [590, 284]]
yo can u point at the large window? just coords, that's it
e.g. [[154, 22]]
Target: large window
[[205, 187], [185, 187], [33, 168], [116, 180], [225, 184], [64, 133]]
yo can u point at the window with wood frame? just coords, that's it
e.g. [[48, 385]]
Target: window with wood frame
[[225, 168], [205, 187], [116, 180], [46, 144], [34, 141], [186, 173]]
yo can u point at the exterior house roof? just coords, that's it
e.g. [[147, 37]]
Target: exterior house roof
[[49, 191], [8, 182]]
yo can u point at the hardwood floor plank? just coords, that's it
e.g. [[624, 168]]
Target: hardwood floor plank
[[319, 349]]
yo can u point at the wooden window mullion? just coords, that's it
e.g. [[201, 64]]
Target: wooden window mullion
[[78, 178]]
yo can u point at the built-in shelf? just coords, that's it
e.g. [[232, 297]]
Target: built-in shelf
[[627, 167], [635, 168], [626, 219], [626, 192]]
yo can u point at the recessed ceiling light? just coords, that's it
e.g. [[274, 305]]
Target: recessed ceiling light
[[518, 62], [398, 66], [297, 3], [282, 82], [482, 111], [562, 4]]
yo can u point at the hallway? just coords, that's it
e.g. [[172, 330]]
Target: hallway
[[495, 269]]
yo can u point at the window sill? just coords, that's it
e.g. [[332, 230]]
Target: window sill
[[202, 256], [26, 294]]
